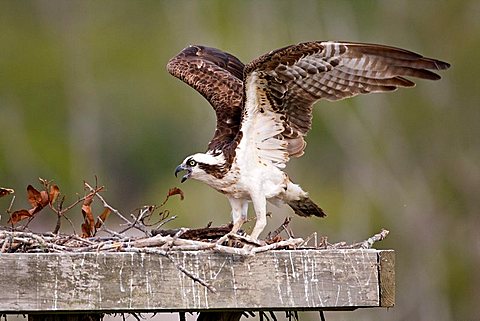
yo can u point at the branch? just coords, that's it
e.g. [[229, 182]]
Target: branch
[[282, 244], [273, 235], [368, 243], [114, 210]]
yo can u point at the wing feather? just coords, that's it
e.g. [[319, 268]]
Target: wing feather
[[216, 75], [288, 81]]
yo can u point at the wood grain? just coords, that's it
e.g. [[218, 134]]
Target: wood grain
[[274, 280], [387, 278]]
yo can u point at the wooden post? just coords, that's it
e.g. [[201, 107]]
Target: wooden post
[[51, 283]]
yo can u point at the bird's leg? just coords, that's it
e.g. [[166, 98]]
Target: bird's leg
[[239, 213], [260, 206]]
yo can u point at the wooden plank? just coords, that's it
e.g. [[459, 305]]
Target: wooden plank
[[387, 278], [274, 280]]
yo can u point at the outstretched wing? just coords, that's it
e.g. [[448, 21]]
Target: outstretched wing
[[216, 75], [282, 86]]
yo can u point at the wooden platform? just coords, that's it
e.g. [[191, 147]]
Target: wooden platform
[[128, 282]]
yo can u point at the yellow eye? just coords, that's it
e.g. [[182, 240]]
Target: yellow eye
[[192, 163]]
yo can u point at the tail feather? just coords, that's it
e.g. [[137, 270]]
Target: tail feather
[[306, 207]]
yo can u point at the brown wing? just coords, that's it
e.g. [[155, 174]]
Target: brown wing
[[291, 79], [216, 75]]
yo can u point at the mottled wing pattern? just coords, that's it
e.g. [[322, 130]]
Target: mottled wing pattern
[[287, 82], [216, 75]]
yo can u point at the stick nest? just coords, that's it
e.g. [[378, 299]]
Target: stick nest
[[154, 239]]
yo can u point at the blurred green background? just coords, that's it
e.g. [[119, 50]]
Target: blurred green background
[[84, 92]]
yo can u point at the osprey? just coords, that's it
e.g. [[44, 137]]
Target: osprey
[[264, 111]]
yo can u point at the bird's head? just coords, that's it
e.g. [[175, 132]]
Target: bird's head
[[202, 167]]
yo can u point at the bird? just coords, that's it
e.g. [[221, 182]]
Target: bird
[[264, 111]]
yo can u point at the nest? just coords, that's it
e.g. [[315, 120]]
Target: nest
[[216, 239], [154, 239]]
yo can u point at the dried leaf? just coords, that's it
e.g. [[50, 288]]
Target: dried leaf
[[53, 194], [88, 199], [37, 199], [175, 191], [19, 215], [103, 217], [34, 196], [172, 191], [86, 230], [45, 198], [6, 191], [88, 227]]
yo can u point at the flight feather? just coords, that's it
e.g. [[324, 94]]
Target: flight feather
[[264, 112], [216, 75]]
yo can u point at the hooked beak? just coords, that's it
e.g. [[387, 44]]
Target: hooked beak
[[180, 168]]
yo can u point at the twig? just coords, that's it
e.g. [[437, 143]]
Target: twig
[[137, 219], [9, 209], [60, 211], [151, 209], [82, 239], [368, 243], [279, 229], [244, 239], [222, 240], [105, 204], [176, 237], [287, 229], [232, 250], [190, 275], [313, 235], [105, 229], [114, 210], [288, 243], [5, 244], [165, 221]]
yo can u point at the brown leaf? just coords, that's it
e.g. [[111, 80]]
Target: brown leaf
[[88, 199], [53, 194], [86, 232], [45, 198], [88, 227], [6, 191], [37, 199], [103, 217], [19, 215], [176, 191], [172, 191], [34, 196]]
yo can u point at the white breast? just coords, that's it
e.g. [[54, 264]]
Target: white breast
[[256, 175]]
